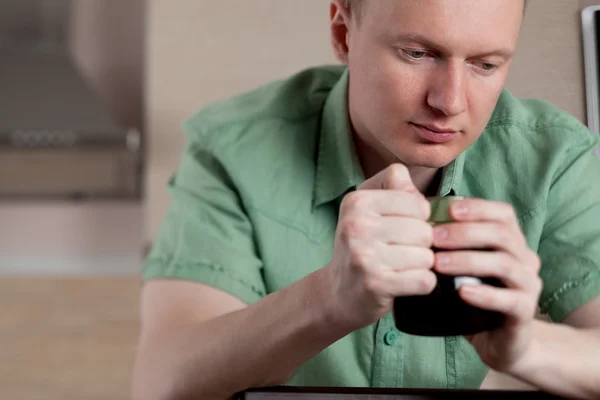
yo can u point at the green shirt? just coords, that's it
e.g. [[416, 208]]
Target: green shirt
[[255, 203]]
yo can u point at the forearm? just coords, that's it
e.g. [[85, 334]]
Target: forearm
[[563, 360], [261, 345]]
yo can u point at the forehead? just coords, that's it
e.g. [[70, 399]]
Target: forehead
[[457, 24]]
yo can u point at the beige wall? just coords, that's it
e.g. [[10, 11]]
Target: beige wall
[[549, 60]]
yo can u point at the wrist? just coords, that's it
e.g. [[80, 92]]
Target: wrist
[[534, 357], [331, 311]]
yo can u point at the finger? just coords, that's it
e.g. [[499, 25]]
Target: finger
[[474, 210], [513, 303], [412, 282], [483, 264], [479, 235], [403, 231], [386, 202], [400, 258]]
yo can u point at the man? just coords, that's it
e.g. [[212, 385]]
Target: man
[[299, 213]]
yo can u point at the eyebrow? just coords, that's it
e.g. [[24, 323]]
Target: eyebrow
[[504, 52]]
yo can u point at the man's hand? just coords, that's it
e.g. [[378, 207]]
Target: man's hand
[[482, 225], [382, 248]]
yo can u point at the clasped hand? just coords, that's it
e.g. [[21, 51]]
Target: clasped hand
[[383, 249]]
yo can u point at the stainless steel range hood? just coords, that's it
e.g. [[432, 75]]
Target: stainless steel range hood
[[57, 138]]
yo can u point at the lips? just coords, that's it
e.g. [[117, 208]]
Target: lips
[[435, 134], [438, 129]]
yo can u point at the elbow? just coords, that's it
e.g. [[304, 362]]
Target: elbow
[[153, 380]]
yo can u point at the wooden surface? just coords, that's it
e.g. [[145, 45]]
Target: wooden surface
[[73, 339], [67, 338]]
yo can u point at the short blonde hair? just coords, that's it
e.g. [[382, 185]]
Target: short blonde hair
[[355, 5]]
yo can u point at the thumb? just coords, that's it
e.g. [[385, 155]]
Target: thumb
[[394, 177]]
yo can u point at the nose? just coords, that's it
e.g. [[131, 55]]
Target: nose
[[448, 90]]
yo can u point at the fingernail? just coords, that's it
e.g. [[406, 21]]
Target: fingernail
[[460, 210], [443, 260], [440, 233]]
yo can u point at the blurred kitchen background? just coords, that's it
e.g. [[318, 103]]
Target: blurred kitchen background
[[92, 93], [72, 134]]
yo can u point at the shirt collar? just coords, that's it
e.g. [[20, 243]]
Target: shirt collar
[[338, 167], [452, 177]]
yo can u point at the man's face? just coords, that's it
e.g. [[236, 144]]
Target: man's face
[[425, 75]]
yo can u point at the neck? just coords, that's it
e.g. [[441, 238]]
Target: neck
[[373, 162]]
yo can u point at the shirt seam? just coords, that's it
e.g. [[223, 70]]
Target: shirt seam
[[204, 132], [374, 352], [566, 287], [319, 168], [547, 234], [585, 140], [501, 121], [451, 362], [189, 265], [178, 242]]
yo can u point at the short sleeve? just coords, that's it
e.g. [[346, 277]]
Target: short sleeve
[[570, 243], [206, 236]]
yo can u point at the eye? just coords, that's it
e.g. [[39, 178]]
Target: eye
[[486, 66], [416, 54]]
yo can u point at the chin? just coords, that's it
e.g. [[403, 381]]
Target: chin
[[427, 156]]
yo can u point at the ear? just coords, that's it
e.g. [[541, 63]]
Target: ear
[[340, 24]]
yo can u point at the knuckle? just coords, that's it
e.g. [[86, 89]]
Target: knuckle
[[506, 268], [354, 201], [508, 213], [351, 228], [426, 235], [428, 258], [533, 307], [420, 259], [469, 261], [504, 236], [362, 257], [427, 212], [507, 239], [517, 306], [464, 232], [539, 286], [536, 261], [426, 282], [372, 284]]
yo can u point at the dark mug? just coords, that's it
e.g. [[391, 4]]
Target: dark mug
[[443, 312]]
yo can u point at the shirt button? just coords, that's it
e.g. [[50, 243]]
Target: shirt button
[[390, 337]]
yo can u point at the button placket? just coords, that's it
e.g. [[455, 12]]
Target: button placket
[[388, 354]]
